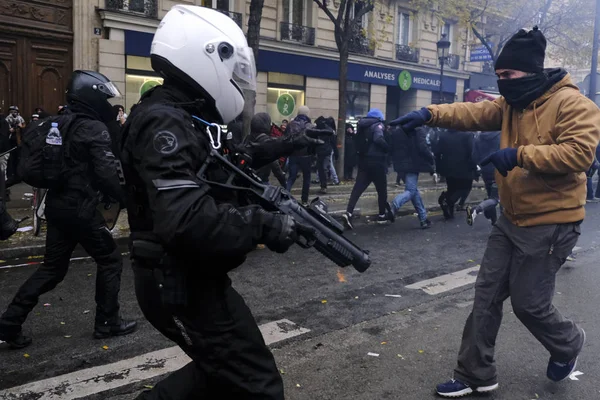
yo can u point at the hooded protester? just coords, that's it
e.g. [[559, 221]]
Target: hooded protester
[[260, 127], [549, 132], [372, 150], [453, 160], [300, 160], [325, 152], [350, 157]]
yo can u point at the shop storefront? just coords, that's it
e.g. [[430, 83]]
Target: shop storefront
[[139, 75], [285, 93], [139, 78], [405, 89], [293, 80]]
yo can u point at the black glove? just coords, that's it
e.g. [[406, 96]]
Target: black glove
[[504, 160], [302, 140], [413, 119], [279, 231], [316, 133]]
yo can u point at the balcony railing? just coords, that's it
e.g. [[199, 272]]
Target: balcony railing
[[147, 8], [360, 45], [407, 53], [297, 33], [453, 61], [237, 17]]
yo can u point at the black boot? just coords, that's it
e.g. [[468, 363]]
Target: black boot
[[122, 327], [444, 205], [17, 342]]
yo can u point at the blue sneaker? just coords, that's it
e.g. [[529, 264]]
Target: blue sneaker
[[454, 388], [558, 371]]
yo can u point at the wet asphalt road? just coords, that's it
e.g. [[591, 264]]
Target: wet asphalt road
[[420, 332]]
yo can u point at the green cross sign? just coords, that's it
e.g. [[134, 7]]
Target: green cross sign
[[404, 80], [286, 104]]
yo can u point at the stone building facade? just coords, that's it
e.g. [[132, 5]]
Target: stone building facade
[[393, 63]]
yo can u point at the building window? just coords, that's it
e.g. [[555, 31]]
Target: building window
[[358, 96], [359, 5], [294, 12], [448, 29], [139, 78], [285, 93], [447, 98], [404, 31], [223, 5]]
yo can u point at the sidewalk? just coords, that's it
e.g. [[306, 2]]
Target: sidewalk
[[24, 244]]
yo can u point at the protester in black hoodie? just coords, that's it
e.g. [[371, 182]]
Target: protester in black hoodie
[[350, 157], [372, 165], [454, 161], [325, 151], [300, 160], [260, 127]]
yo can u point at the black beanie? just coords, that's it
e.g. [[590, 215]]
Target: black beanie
[[525, 51]]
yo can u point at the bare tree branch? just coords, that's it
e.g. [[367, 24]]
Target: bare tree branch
[[325, 9], [484, 42], [363, 11]]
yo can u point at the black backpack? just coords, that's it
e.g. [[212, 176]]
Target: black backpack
[[362, 139], [42, 165]]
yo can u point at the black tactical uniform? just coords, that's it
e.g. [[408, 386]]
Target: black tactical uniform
[[185, 238], [72, 218]]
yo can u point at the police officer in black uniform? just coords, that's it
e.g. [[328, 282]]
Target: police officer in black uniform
[[72, 214], [186, 236]]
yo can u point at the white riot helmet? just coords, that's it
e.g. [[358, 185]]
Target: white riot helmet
[[205, 50]]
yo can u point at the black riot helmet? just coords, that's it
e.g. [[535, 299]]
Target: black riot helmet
[[89, 91]]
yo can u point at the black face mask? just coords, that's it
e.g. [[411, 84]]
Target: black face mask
[[521, 92]]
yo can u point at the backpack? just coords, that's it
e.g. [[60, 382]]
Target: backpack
[[42, 165], [362, 139]]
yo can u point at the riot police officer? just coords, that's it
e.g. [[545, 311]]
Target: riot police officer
[[185, 235], [72, 215]]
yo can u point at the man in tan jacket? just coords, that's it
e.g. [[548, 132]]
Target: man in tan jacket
[[549, 134]]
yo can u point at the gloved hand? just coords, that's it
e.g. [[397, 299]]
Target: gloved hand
[[504, 160], [315, 133], [304, 139], [413, 119], [281, 231]]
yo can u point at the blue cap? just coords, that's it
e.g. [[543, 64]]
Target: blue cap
[[375, 113], [55, 124]]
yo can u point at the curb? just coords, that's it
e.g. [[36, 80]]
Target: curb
[[123, 241]]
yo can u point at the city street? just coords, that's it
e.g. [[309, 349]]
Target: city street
[[390, 333]]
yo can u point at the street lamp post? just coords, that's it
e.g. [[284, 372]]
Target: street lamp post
[[443, 46]]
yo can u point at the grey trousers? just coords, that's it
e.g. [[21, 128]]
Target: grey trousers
[[520, 263]]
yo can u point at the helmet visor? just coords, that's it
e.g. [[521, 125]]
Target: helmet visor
[[109, 89], [244, 70]]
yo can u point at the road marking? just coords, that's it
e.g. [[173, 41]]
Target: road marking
[[574, 375], [277, 331], [447, 282], [99, 379]]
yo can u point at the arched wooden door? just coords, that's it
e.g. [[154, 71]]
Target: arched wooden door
[[36, 54], [8, 59]]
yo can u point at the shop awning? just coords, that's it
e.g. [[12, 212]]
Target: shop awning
[[475, 96]]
